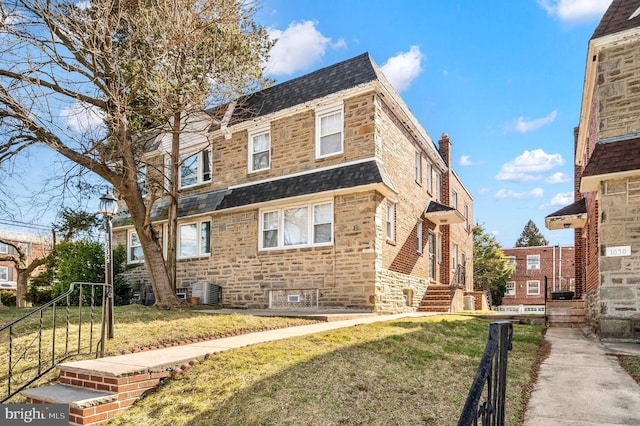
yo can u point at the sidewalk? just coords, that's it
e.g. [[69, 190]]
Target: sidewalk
[[582, 383], [162, 359]]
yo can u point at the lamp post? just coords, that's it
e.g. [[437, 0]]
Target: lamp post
[[108, 208]]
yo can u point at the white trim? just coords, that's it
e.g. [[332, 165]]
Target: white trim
[[323, 112], [281, 225], [530, 265], [199, 178], [199, 252], [510, 293], [257, 131], [130, 260], [531, 293], [420, 243], [391, 213], [6, 273]]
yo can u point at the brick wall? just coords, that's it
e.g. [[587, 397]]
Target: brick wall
[[564, 272]]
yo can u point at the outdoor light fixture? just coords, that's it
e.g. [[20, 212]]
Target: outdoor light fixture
[[108, 208], [108, 205]]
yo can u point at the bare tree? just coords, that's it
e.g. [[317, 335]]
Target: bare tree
[[131, 70]]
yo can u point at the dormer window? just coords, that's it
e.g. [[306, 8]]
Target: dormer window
[[260, 148], [196, 169], [329, 133]]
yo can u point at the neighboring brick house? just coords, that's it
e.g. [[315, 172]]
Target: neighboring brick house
[[323, 191], [526, 287], [34, 246], [606, 214]]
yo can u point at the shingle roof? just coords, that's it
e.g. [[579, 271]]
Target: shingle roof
[[349, 176], [612, 157], [578, 207], [616, 18], [435, 207], [326, 180], [325, 81]]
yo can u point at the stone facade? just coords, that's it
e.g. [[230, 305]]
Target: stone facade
[[363, 267]]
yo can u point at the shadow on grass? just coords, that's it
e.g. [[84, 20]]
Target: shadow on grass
[[400, 372]]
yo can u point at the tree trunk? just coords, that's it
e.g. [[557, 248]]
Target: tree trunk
[[172, 218]]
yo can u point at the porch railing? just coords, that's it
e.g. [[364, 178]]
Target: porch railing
[[490, 381], [71, 324]]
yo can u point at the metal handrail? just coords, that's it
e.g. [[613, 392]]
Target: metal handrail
[[491, 372], [21, 355]]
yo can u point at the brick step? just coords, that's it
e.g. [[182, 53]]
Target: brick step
[[435, 303], [86, 406], [433, 309]]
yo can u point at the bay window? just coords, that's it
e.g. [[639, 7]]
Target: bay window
[[297, 226]]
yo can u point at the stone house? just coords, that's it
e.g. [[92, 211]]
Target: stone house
[[533, 267], [606, 213], [320, 192]]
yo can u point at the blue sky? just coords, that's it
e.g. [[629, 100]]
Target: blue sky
[[503, 78]]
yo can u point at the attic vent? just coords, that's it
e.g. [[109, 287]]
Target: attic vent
[[634, 14]]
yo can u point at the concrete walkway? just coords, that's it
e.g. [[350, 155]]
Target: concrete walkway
[[582, 383], [162, 359]]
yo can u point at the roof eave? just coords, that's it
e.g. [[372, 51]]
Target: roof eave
[[592, 183], [566, 222]]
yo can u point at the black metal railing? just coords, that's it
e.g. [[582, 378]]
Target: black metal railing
[[33, 344], [492, 372]]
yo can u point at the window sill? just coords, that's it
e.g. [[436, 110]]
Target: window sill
[[391, 242]]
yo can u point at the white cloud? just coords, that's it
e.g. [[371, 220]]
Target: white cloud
[[529, 165], [508, 193], [562, 199], [82, 118], [403, 68], [297, 48], [575, 10], [524, 125], [558, 177], [465, 160]]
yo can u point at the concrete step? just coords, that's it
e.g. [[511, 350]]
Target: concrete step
[[86, 406]]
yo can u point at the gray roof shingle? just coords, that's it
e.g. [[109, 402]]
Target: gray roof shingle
[[616, 18]]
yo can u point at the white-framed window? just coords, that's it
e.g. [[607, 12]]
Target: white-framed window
[[427, 170], [511, 288], [297, 226], [454, 256], [134, 248], [418, 167], [329, 133], [432, 255], [533, 261], [194, 239], [4, 273], [437, 188], [511, 261], [4, 248], [439, 247], [419, 245], [391, 221], [260, 148], [533, 288], [195, 169], [454, 199]]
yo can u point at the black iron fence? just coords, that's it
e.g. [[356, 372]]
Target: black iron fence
[[490, 382], [71, 324]]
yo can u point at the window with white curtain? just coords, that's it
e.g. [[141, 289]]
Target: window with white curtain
[[194, 239], [297, 226]]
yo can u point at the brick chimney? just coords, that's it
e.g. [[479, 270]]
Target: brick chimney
[[444, 146]]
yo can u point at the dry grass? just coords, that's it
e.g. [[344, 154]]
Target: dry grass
[[404, 372], [136, 328], [631, 364]]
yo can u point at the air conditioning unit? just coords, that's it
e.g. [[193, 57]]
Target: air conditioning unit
[[201, 290]]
